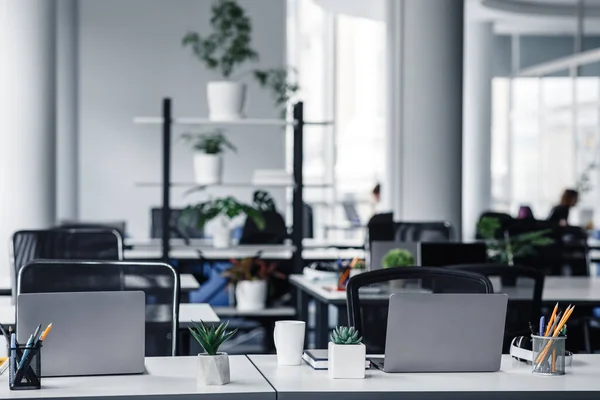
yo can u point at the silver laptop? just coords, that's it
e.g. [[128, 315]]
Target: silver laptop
[[93, 333], [380, 248], [444, 333]]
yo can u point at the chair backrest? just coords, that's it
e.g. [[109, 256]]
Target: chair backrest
[[120, 226], [274, 232], [524, 286], [424, 231], [308, 225], [158, 281], [368, 295], [63, 244]]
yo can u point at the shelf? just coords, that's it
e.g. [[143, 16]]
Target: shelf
[[240, 122], [232, 185]]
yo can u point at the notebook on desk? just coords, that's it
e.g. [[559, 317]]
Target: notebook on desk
[[94, 333], [319, 359]]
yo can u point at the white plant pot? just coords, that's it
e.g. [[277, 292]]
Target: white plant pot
[[347, 361], [221, 234], [226, 100], [213, 370], [208, 168], [251, 295]]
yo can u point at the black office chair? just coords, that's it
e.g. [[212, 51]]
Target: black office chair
[[63, 244], [119, 226], [274, 231], [158, 281], [424, 231], [368, 295], [524, 285]]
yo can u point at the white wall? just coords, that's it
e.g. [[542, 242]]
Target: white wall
[[130, 58]]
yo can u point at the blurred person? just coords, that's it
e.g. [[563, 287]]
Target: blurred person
[[560, 213]]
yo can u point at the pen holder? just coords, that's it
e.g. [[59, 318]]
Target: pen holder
[[28, 376], [548, 355]]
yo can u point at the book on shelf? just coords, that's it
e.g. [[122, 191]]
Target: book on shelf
[[318, 359]]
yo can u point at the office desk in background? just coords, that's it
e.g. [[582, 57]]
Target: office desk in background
[[574, 290], [166, 378], [188, 312], [188, 283], [515, 382]]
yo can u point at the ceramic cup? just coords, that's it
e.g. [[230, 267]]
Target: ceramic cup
[[289, 341]]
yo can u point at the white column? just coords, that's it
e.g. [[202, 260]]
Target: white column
[[477, 135], [425, 57], [27, 118], [66, 132]]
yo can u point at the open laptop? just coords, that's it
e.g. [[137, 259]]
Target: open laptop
[[93, 333], [380, 248], [444, 333]]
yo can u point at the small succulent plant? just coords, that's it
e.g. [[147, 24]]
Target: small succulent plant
[[345, 335], [211, 338]]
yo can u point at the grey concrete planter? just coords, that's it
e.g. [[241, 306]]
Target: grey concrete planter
[[213, 370]]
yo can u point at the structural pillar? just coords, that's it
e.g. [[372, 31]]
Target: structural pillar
[[425, 59], [27, 118], [477, 134], [67, 205]]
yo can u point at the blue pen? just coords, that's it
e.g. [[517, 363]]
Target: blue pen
[[542, 320], [26, 352], [13, 353]]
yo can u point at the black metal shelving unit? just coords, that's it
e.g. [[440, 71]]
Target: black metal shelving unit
[[298, 123]]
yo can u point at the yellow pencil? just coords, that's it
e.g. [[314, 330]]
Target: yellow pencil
[[551, 320], [46, 331]]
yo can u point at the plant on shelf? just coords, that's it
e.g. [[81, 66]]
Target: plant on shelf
[[347, 354], [263, 201], [505, 250], [250, 277], [278, 82], [225, 210], [398, 258], [213, 367], [208, 160], [226, 49], [584, 183]]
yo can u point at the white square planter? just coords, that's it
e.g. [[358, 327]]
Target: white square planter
[[213, 370], [347, 361]]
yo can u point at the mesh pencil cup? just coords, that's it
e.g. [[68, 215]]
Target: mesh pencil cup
[[549, 355], [29, 376]]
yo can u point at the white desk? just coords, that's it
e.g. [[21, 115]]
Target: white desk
[[576, 290], [166, 378], [271, 312], [514, 381], [188, 312]]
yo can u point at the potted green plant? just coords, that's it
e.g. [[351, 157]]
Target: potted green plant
[[278, 81], [224, 210], [347, 354], [208, 155], [250, 278], [398, 258], [225, 49], [213, 366]]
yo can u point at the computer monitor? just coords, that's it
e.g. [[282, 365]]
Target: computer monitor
[[441, 254]]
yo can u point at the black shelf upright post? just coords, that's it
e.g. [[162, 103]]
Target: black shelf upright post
[[166, 185], [298, 201]]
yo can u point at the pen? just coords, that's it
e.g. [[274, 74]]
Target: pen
[[26, 351], [542, 320]]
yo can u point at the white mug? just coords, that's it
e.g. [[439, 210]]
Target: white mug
[[289, 341]]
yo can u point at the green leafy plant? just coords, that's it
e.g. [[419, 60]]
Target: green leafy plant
[[277, 80], [211, 338], [584, 183], [252, 269], [505, 250], [263, 201], [227, 208], [214, 142], [398, 258], [229, 45], [345, 335]]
